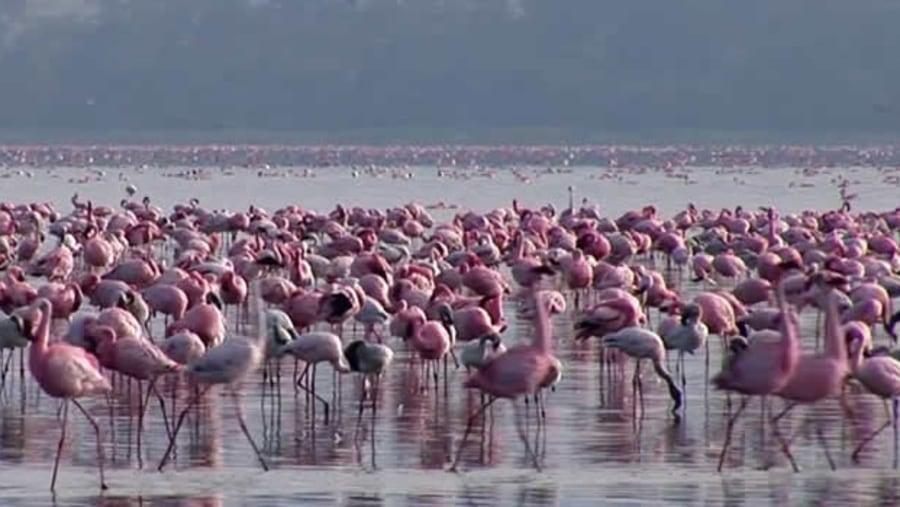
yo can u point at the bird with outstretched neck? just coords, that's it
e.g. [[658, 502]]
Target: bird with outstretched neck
[[66, 372], [521, 371]]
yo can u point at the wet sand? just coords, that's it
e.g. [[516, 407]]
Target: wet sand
[[595, 449]]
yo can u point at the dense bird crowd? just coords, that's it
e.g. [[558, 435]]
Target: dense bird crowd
[[98, 293]]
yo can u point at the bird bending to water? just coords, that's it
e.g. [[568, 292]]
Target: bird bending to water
[[640, 344]]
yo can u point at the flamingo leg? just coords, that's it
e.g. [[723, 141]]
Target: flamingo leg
[[524, 438], [96, 427], [240, 415], [484, 406], [62, 439], [312, 391], [455, 359], [5, 369], [178, 424], [859, 448], [824, 443], [896, 410], [729, 430], [785, 445], [142, 408], [162, 406]]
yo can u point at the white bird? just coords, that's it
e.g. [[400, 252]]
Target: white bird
[[184, 347], [476, 353], [689, 335], [640, 344], [314, 348], [372, 313], [226, 363], [280, 331], [14, 332]]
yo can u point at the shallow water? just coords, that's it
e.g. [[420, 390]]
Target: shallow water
[[597, 446]]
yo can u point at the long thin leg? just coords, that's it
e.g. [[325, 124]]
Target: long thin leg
[[312, 391], [524, 438], [240, 415], [859, 448], [142, 409], [472, 418], [96, 427], [5, 368], [62, 439], [824, 445], [896, 410], [178, 424], [729, 430], [162, 406], [785, 445]]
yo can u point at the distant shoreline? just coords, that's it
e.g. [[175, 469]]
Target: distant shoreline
[[525, 136]]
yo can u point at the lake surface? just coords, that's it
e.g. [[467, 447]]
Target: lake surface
[[595, 447]]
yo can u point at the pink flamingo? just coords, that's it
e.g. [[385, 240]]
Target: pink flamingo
[[97, 252], [67, 372], [15, 292], [729, 265], [526, 271], [880, 375], [760, 368], [520, 371], [752, 291], [433, 341], [314, 348], [56, 264], [233, 289], [609, 316], [339, 305], [168, 300], [138, 359], [578, 274], [65, 299], [184, 347], [484, 281], [205, 320], [275, 290], [817, 375]]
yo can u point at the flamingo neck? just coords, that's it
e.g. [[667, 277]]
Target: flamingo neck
[[789, 341], [40, 345], [835, 345]]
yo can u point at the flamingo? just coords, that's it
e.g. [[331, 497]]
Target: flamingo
[[227, 363], [370, 360], [761, 367], [66, 372], [688, 335], [520, 371], [477, 353], [433, 340], [880, 375], [371, 314], [135, 358], [313, 348], [14, 333], [817, 375], [640, 344]]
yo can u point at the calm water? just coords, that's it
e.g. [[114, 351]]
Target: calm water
[[595, 446]]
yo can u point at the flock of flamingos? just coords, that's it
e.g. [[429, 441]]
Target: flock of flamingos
[[293, 280]]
